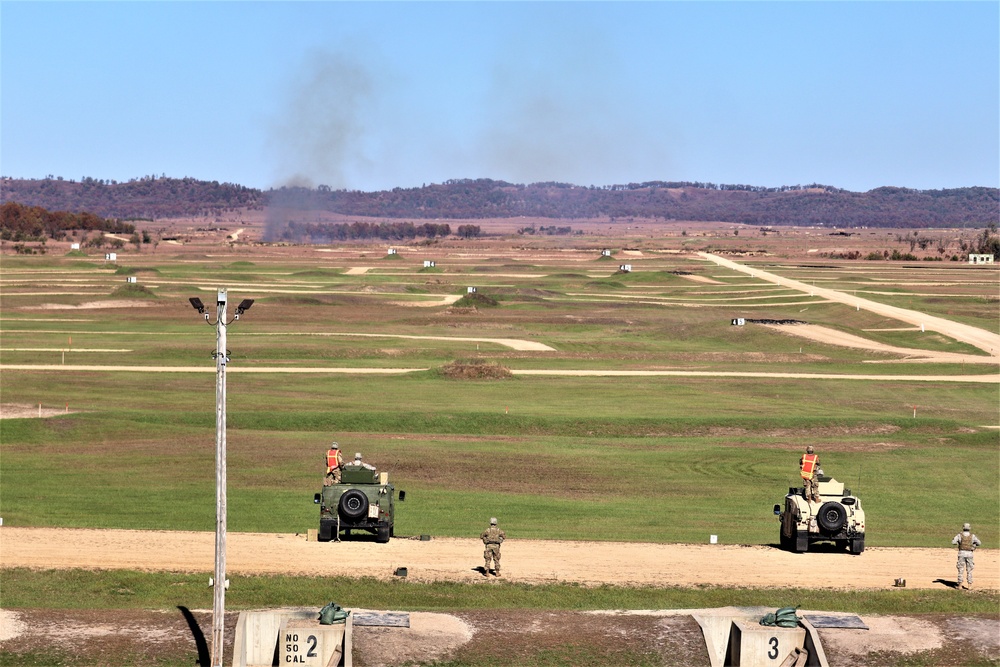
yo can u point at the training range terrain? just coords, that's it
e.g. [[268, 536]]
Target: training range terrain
[[636, 420]]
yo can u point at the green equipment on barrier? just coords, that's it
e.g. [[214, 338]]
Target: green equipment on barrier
[[332, 613], [783, 618]]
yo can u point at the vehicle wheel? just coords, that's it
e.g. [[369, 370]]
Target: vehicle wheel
[[857, 545], [831, 516], [383, 533], [353, 504], [392, 530], [784, 542]]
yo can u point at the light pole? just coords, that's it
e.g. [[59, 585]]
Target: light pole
[[219, 582]]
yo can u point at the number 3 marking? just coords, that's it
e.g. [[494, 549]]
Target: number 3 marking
[[773, 653]]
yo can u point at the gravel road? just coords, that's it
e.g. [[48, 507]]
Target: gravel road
[[455, 559]]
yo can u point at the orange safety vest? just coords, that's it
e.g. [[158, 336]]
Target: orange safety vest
[[809, 465], [332, 459]]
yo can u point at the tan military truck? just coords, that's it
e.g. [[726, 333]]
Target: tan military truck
[[837, 518]]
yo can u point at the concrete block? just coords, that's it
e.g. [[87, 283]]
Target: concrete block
[[307, 643], [258, 634], [755, 645], [716, 631]]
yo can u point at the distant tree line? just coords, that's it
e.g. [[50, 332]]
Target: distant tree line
[[145, 197], [802, 205], [321, 232], [34, 223]]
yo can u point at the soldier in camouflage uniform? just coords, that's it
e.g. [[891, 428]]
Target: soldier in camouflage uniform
[[492, 537], [967, 543]]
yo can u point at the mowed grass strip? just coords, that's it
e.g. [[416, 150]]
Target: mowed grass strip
[[127, 589], [429, 401], [655, 488]]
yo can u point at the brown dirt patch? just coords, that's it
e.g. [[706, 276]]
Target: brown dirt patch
[[107, 638], [92, 305], [432, 467], [112, 638], [581, 638], [430, 637], [25, 411], [476, 369], [927, 640]]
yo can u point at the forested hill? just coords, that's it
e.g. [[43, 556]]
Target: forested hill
[[161, 197], [147, 197]]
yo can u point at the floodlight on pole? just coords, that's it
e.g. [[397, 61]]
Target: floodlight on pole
[[198, 305], [221, 355], [242, 308]]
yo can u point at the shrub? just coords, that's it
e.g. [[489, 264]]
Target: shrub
[[133, 291], [476, 300]]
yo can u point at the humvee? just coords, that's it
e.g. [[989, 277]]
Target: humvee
[[838, 518], [363, 500]]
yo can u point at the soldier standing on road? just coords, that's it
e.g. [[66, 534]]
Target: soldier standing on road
[[967, 543], [492, 537], [809, 469], [334, 461]]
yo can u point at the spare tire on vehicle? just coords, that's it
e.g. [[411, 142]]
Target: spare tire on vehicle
[[831, 517], [353, 504]]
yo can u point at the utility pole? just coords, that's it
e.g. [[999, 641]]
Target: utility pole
[[219, 581]]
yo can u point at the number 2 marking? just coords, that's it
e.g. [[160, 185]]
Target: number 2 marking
[[311, 640], [773, 653]]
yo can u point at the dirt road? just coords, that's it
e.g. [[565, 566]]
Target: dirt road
[[987, 341], [830, 336], [453, 559]]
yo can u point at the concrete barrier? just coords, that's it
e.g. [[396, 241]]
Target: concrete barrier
[[258, 634], [754, 645], [716, 631], [734, 637], [307, 643]]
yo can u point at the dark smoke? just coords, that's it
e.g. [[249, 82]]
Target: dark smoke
[[319, 136]]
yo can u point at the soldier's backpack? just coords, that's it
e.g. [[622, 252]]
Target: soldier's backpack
[[332, 613], [783, 618]]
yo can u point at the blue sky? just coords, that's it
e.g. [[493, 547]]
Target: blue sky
[[375, 95]]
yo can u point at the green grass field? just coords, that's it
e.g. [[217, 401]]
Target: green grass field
[[578, 458], [123, 589]]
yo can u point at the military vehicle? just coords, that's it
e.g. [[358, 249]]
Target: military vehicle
[[837, 518], [363, 500]]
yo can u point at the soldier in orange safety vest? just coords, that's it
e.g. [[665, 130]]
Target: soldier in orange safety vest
[[333, 463], [809, 469]]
